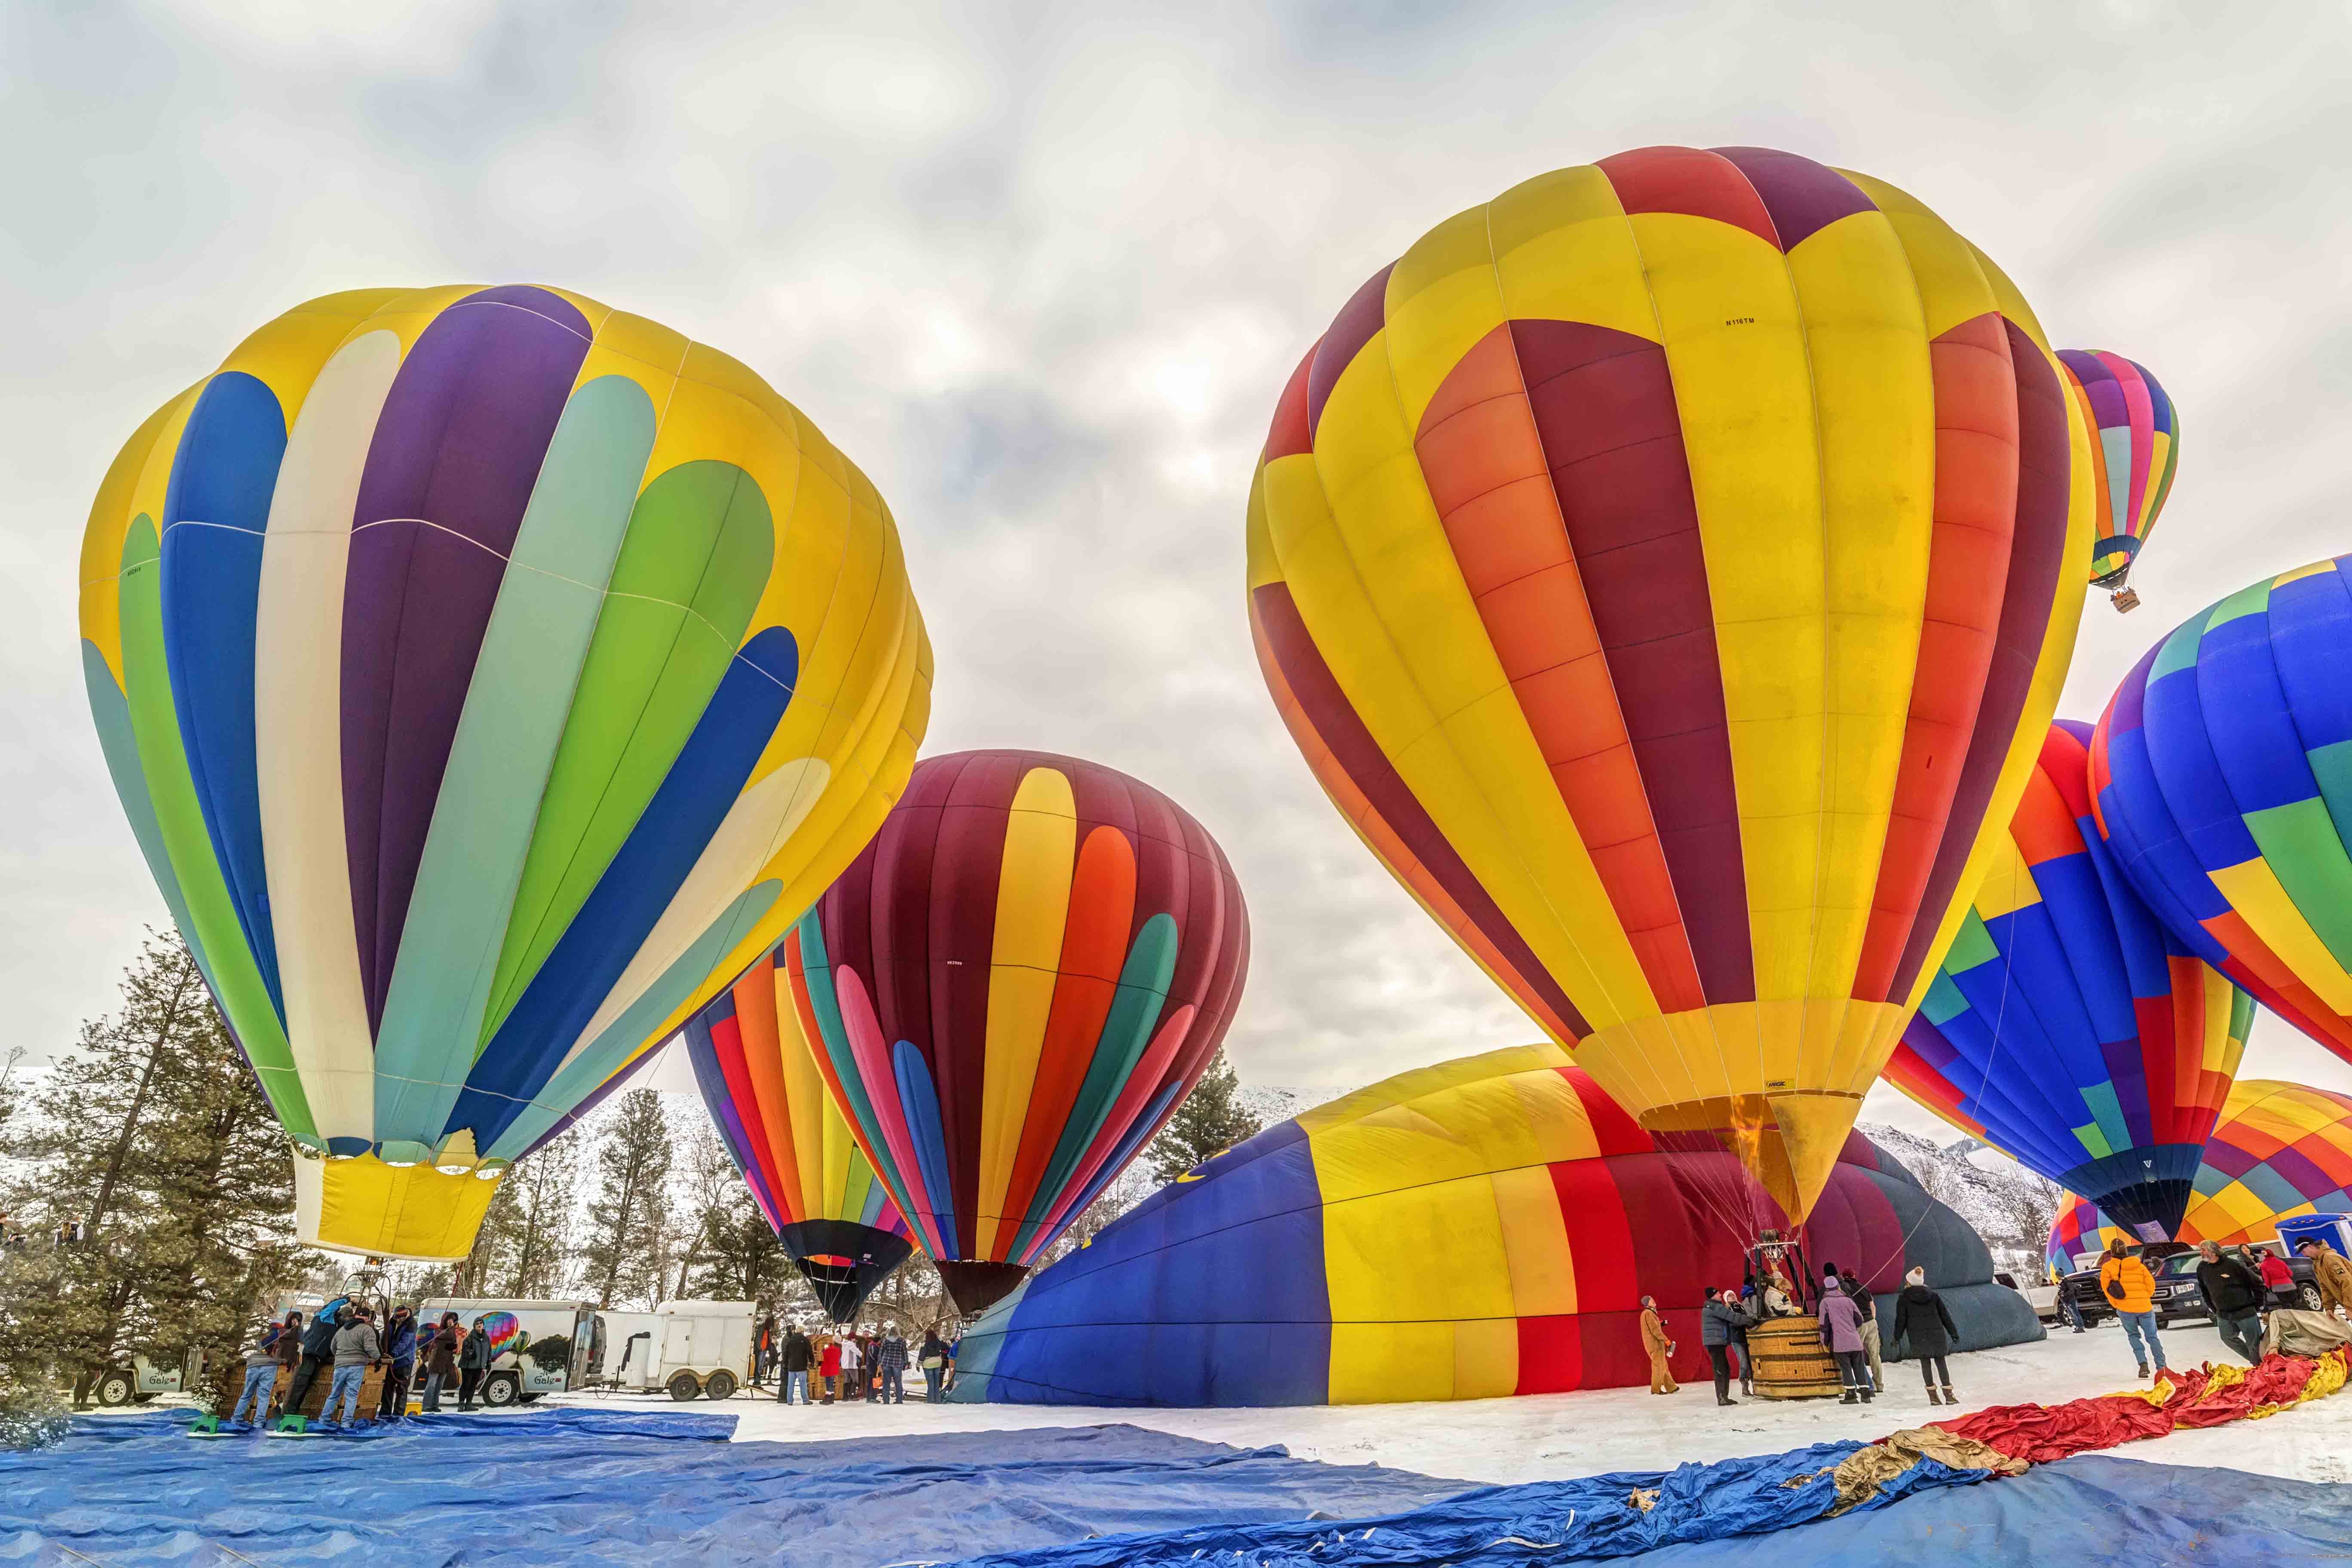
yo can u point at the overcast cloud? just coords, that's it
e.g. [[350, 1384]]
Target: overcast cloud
[[1041, 272]]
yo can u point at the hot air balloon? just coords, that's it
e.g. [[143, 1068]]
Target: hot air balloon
[[768, 1100], [2219, 780], [2066, 1027], [1480, 1228], [1013, 987], [486, 674], [1668, 568], [2135, 446], [2280, 1149], [504, 1331]]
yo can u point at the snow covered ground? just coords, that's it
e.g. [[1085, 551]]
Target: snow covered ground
[[1559, 1436]]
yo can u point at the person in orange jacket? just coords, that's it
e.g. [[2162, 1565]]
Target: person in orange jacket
[[2130, 1289], [1654, 1340]]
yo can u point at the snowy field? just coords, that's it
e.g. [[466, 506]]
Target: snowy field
[[1554, 1436]]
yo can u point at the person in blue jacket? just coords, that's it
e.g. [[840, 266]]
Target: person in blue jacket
[[400, 1354]]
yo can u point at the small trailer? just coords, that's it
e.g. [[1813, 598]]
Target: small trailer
[[687, 1350]]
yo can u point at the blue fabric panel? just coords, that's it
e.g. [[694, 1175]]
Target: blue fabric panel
[[564, 1489], [701, 786], [2311, 641], [215, 512], [2196, 791], [2255, 736], [920, 1100]]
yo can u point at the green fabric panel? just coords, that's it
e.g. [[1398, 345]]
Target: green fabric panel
[[2241, 1014], [2094, 1140], [609, 1051], [1944, 1002], [2250, 601], [2298, 841], [529, 664], [1971, 946], [210, 921], [2332, 767], [1135, 1010], [2179, 648], [693, 566], [2113, 1131]]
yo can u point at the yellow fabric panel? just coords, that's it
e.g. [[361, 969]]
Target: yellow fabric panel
[[2013, 302], [2283, 578], [1381, 1363], [1423, 1253], [1951, 284], [2254, 890], [1430, 1081], [1535, 1242], [1263, 565], [1458, 1133], [411, 1212], [1442, 298], [2221, 1054], [1565, 253], [286, 355], [807, 1107], [1486, 1358], [2008, 886], [1734, 344], [1874, 405], [1033, 900], [110, 523], [1555, 1116]]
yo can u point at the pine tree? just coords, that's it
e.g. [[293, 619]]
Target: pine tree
[[154, 1136], [1210, 1121], [626, 1256]]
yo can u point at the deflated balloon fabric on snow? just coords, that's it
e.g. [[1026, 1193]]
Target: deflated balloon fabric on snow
[[588, 1488]]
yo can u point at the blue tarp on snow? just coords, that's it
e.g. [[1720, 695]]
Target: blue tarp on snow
[[591, 1487], [2095, 1508]]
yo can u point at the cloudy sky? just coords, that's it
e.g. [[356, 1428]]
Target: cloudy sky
[[1041, 272]]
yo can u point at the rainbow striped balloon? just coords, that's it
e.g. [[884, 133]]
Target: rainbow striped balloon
[[767, 1097], [2280, 1149], [2065, 1026], [2135, 446], [2222, 779], [486, 673], [1013, 987]]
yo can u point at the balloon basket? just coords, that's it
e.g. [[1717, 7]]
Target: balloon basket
[[1788, 1361]]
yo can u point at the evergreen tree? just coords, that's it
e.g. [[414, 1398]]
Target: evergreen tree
[[624, 1258], [543, 1191], [1210, 1121], [152, 1135], [733, 1254]]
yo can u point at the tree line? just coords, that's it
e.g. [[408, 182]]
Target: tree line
[[147, 1202]]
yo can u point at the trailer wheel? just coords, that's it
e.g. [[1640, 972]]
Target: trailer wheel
[[501, 1389], [720, 1387], [114, 1387], [684, 1386]]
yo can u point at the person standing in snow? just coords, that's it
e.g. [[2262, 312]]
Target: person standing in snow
[[2233, 1294], [1654, 1340], [2127, 1283], [1720, 1323], [1840, 1321], [890, 1362], [793, 1367], [1923, 1322], [853, 1361], [2331, 1273], [1853, 1285]]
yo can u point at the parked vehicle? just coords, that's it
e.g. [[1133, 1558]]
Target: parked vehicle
[[2178, 1294], [2302, 1291], [550, 1355], [135, 1380], [687, 1350]]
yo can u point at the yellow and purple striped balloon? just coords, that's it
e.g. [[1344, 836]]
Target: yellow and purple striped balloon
[[487, 674]]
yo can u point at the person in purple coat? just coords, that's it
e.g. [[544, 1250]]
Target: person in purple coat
[[1840, 1317]]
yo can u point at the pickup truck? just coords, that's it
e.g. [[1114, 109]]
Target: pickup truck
[[2178, 1297]]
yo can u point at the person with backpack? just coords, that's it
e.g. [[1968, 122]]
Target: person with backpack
[[1924, 1323], [2129, 1286]]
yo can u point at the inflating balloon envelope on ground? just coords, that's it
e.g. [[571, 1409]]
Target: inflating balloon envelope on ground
[[486, 675], [1669, 568]]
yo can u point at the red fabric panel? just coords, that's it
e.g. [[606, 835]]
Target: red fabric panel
[[2037, 560], [1368, 767], [1687, 180], [1604, 409], [1599, 1244], [1615, 1131], [2041, 1433], [1290, 436], [1551, 1354]]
